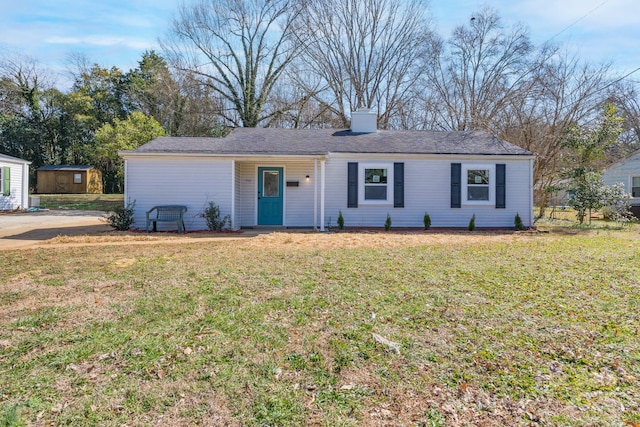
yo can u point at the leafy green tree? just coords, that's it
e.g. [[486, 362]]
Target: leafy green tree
[[586, 194], [587, 147], [128, 134], [180, 103], [588, 144], [108, 90]]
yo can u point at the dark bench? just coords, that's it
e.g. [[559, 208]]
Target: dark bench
[[166, 213]]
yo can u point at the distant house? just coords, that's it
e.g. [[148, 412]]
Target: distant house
[[72, 179], [305, 178], [14, 183], [626, 171]]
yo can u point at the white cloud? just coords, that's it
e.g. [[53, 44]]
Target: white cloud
[[102, 40]]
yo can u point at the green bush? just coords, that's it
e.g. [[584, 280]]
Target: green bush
[[121, 218], [427, 221], [213, 218], [472, 223], [340, 221], [387, 223], [519, 225]]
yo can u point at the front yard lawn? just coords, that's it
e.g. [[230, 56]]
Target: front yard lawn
[[490, 329]]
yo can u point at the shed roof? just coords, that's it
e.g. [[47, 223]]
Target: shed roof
[[315, 142], [66, 168]]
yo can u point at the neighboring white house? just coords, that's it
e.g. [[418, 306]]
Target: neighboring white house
[[305, 178], [14, 183], [626, 171]]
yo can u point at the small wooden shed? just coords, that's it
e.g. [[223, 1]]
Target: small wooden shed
[[69, 179]]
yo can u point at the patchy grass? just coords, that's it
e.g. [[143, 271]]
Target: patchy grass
[[510, 329], [92, 202]]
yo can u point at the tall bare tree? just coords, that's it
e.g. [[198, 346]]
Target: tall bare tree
[[368, 53], [563, 92], [626, 95], [239, 48], [472, 76]]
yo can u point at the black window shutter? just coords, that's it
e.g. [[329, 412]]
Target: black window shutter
[[352, 185], [501, 194], [398, 185], [456, 187]]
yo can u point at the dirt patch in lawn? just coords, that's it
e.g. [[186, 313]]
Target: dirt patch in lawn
[[299, 239]]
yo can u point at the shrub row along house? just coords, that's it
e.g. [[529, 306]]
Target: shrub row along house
[[305, 178]]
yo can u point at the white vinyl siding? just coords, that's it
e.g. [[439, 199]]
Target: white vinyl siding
[[427, 188], [624, 172], [17, 172], [189, 181], [232, 184]]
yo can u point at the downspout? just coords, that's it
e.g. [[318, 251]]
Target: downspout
[[322, 189]]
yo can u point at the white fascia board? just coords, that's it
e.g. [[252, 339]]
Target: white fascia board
[[461, 157], [246, 157], [14, 161]]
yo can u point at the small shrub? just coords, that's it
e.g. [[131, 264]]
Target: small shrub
[[519, 225], [472, 223], [121, 218], [340, 221], [213, 218], [427, 221], [387, 223]]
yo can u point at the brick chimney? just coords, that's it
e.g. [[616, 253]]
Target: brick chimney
[[364, 121]]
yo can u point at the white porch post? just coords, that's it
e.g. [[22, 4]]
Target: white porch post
[[322, 188], [315, 194], [234, 225]]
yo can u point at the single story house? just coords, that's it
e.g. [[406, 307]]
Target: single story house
[[626, 171], [306, 177], [69, 179], [14, 183]]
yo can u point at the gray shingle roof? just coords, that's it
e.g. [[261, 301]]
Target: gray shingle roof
[[308, 142], [65, 168]]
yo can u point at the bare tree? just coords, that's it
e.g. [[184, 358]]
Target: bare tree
[[626, 95], [239, 48], [368, 53], [562, 93], [473, 75]]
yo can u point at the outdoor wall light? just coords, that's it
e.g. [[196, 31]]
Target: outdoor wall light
[[307, 177]]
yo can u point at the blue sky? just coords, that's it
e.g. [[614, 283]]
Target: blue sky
[[117, 32]]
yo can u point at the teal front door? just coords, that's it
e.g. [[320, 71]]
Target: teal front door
[[270, 196]]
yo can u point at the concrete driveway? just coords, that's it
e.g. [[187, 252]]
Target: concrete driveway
[[18, 230]]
